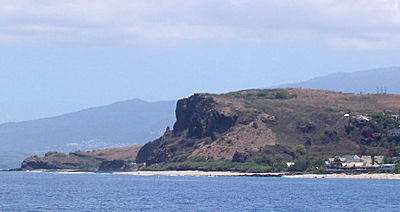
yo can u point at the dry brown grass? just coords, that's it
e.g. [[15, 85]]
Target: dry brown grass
[[121, 153]]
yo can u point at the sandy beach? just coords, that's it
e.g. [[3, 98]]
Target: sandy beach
[[346, 176], [235, 174], [199, 173], [238, 174]]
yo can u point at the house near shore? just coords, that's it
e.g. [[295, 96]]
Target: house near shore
[[367, 159], [378, 160], [361, 119], [354, 161], [289, 164]]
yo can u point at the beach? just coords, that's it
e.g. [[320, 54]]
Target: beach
[[347, 176], [234, 174], [240, 174], [199, 173]]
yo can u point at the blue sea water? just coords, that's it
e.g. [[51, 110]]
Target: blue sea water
[[21, 191]]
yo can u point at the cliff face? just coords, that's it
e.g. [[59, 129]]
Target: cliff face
[[210, 127], [197, 118], [281, 123], [198, 115]]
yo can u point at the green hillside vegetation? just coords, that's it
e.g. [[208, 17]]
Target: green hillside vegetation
[[376, 134]]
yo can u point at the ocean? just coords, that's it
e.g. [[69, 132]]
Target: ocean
[[22, 191]]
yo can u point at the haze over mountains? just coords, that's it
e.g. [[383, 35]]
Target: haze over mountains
[[355, 82], [119, 124]]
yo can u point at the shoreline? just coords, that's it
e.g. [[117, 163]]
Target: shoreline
[[348, 176], [283, 175], [200, 173], [197, 173]]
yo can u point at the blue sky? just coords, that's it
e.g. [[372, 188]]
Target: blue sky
[[67, 55]]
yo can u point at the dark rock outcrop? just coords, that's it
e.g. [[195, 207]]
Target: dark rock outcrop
[[153, 152], [239, 157], [36, 162], [197, 118], [114, 165], [200, 118]]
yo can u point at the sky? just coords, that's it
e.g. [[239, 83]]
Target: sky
[[67, 55]]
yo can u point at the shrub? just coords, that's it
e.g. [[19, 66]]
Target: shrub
[[236, 94], [55, 154], [263, 93], [282, 95]]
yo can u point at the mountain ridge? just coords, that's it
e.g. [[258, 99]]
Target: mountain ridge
[[122, 123], [364, 81]]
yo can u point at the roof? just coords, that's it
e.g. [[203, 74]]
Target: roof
[[353, 164], [378, 159], [363, 118], [388, 165]]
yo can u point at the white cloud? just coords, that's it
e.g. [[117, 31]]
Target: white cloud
[[341, 23]]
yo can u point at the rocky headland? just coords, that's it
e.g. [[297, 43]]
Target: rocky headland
[[113, 159], [252, 131]]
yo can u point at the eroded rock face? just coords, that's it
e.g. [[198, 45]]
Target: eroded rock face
[[153, 152], [36, 162], [200, 118], [113, 165], [208, 130]]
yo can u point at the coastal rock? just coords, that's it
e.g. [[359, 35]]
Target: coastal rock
[[114, 159], [199, 116], [114, 165]]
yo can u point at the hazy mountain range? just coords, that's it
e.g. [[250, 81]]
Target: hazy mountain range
[[355, 82], [119, 124]]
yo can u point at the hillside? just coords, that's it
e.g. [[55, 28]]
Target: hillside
[[260, 130], [354, 82], [119, 124]]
